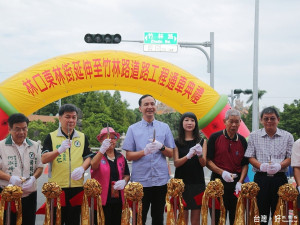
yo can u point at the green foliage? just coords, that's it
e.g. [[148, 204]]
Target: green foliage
[[48, 110], [247, 118], [37, 130], [172, 119], [97, 109], [290, 118]]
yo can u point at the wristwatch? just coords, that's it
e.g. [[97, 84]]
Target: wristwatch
[[162, 148]]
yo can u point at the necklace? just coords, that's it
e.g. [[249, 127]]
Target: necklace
[[111, 158]]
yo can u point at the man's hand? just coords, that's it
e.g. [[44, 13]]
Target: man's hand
[[227, 176], [15, 180], [119, 185], [104, 146], [28, 184], [64, 146], [264, 167], [147, 149], [77, 173], [156, 145], [191, 153], [152, 147], [238, 187], [273, 168]]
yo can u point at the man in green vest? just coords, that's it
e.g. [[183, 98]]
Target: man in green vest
[[67, 150], [20, 164]]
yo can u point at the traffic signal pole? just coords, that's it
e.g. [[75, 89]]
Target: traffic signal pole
[[210, 57]]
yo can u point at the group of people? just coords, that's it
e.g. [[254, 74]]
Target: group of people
[[147, 144]]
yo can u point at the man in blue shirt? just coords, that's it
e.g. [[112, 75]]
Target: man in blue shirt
[[147, 144]]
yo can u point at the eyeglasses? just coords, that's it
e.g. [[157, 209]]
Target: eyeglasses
[[114, 137], [272, 119], [18, 130]]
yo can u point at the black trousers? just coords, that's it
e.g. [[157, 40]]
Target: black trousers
[[70, 215], [267, 197], [112, 213], [229, 198], [156, 196], [28, 210]]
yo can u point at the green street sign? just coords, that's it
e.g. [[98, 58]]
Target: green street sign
[[160, 38]]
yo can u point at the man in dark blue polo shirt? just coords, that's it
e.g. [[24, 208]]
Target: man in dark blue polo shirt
[[225, 158]]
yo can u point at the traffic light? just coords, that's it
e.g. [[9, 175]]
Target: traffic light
[[103, 38], [237, 91], [248, 91]]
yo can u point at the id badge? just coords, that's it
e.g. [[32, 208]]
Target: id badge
[[114, 193]]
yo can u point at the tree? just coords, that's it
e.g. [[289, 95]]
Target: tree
[[248, 118], [172, 119], [37, 130], [290, 118], [260, 94], [48, 110]]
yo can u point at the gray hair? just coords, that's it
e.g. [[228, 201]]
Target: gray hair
[[232, 112]]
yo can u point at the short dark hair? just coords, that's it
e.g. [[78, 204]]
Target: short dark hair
[[67, 108], [145, 96], [17, 118], [269, 110]]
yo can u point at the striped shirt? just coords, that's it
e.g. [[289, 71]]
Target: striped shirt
[[270, 149]]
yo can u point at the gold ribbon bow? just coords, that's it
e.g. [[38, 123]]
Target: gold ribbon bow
[[214, 189], [92, 188], [133, 192], [11, 193], [248, 191], [175, 189], [286, 192], [52, 190]]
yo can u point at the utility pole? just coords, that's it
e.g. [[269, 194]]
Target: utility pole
[[255, 124]]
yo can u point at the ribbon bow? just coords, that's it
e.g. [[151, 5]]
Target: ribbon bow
[[214, 189], [286, 192], [11, 193], [132, 192], [175, 190], [92, 188], [248, 191], [52, 190]]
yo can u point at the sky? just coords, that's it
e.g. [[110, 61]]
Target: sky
[[34, 31]]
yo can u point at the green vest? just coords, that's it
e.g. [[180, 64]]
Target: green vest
[[63, 165]]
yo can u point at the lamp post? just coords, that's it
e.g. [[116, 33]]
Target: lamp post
[[210, 58], [255, 122]]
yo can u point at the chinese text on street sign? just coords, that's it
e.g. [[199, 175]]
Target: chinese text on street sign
[[160, 42]]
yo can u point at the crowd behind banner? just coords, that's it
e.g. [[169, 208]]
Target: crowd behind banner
[[148, 144]]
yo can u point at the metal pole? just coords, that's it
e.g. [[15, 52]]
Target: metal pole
[[212, 59], [134, 213], [213, 211], [51, 210], [8, 211], [175, 208], [287, 211], [232, 99], [92, 211], [247, 211], [255, 71]]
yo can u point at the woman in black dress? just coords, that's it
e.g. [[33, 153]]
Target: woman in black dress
[[189, 160]]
